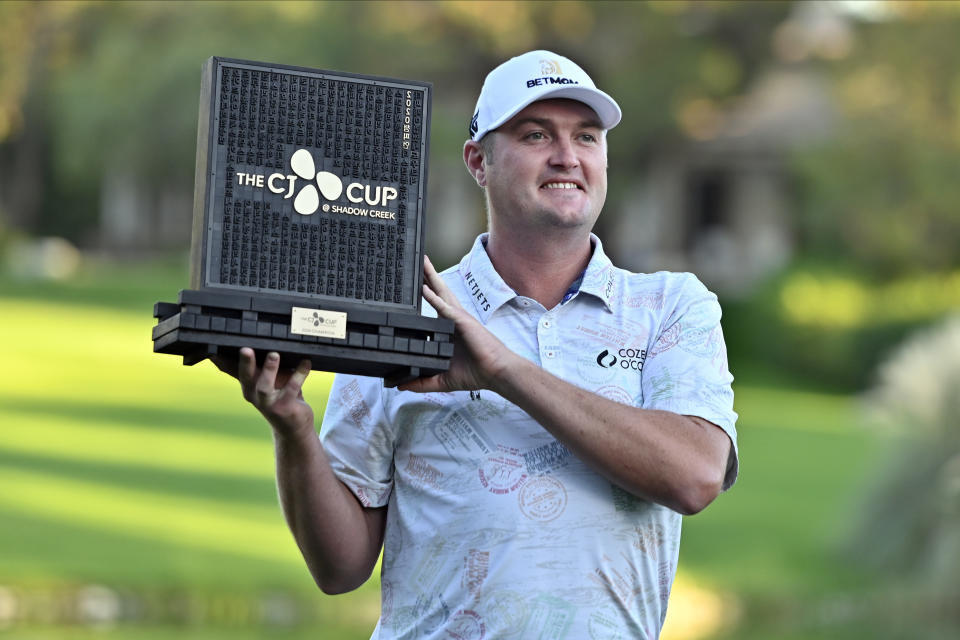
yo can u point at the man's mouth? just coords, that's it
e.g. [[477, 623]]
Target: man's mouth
[[560, 185]]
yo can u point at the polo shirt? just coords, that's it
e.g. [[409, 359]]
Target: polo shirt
[[494, 528]]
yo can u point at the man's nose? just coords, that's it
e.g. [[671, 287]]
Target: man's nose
[[564, 154]]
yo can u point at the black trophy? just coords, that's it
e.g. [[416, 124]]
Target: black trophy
[[308, 224]]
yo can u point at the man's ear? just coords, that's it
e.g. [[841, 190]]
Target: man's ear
[[474, 159]]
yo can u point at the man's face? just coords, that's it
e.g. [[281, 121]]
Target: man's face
[[546, 167]]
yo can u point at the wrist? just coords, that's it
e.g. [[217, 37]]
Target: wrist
[[293, 432], [508, 376]]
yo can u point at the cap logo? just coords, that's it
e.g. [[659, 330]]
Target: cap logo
[[475, 124], [550, 67]]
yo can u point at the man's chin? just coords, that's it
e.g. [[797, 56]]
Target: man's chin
[[559, 219]]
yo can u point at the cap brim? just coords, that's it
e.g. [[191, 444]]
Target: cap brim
[[605, 107]]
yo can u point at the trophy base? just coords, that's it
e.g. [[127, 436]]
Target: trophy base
[[398, 347]]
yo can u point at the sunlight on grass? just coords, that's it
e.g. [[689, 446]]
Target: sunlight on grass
[[255, 532], [696, 611], [82, 385], [843, 302], [780, 408], [155, 448], [87, 353]]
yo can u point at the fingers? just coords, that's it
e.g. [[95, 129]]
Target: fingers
[[247, 372], [267, 380], [437, 293], [428, 269], [263, 387], [444, 310], [297, 378], [437, 284]]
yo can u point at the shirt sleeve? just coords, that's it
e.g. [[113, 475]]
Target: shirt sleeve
[[358, 438], [687, 371]]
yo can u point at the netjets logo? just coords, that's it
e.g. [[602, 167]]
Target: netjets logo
[[321, 183], [624, 358]]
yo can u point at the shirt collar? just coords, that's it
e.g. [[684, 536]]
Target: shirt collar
[[599, 278], [484, 285], [489, 292]]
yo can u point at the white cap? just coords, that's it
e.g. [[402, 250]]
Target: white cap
[[537, 75]]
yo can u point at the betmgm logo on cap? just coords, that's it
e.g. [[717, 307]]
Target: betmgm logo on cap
[[533, 76]]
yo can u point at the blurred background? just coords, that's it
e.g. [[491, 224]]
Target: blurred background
[[800, 157]]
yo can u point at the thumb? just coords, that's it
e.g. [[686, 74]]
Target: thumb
[[424, 385]]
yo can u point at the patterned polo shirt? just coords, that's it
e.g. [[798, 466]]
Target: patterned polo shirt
[[494, 529]]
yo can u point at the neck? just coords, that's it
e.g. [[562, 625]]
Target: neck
[[543, 268]]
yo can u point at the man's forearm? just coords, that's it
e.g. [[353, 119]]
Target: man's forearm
[[339, 538], [674, 460]]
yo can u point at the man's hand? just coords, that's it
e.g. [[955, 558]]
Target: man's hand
[[479, 357], [276, 393]]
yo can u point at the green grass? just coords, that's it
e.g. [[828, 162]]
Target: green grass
[[803, 461], [124, 468]]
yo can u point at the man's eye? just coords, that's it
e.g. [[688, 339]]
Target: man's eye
[[589, 137], [535, 135]]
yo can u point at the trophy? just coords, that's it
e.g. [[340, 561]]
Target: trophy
[[308, 224]]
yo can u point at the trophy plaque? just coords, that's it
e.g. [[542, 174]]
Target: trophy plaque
[[308, 224]]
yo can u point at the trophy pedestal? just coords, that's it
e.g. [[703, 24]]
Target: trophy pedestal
[[395, 346]]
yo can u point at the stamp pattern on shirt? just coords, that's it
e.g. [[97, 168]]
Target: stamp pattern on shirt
[[502, 472], [543, 499]]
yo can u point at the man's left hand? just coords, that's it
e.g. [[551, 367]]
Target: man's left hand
[[479, 357]]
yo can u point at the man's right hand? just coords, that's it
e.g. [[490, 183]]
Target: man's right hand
[[276, 393]]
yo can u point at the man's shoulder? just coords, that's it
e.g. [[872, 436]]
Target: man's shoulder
[[666, 282]]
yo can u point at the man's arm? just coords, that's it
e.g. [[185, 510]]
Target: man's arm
[[339, 538], [674, 460]]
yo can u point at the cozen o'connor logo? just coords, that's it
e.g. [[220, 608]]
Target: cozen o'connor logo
[[624, 358], [606, 359], [322, 183]]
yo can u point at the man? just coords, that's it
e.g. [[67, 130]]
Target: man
[[535, 490]]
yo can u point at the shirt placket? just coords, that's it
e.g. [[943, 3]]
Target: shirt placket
[[548, 339]]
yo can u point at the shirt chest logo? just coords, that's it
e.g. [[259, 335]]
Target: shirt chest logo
[[626, 358]]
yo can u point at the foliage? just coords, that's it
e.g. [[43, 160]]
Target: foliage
[[917, 386], [832, 300], [832, 325], [910, 519], [882, 192], [112, 87], [91, 89]]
